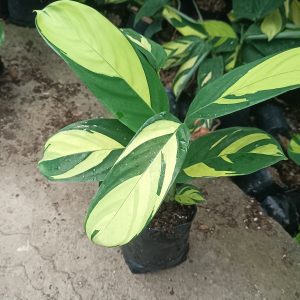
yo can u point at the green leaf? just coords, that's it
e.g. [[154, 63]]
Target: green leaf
[[246, 85], [230, 152], [133, 190], [209, 70], [150, 8], [188, 68], [295, 12], [154, 53], [105, 62], [188, 194], [294, 149], [179, 50], [254, 9], [84, 151], [272, 24], [185, 25]]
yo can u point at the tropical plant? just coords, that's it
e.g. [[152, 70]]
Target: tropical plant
[[142, 155], [211, 47]]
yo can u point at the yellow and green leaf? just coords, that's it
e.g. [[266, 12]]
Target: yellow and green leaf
[[272, 24], [179, 50], [209, 70], [188, 194], [138, 182], [230, 152], [247, 85], [294, 149], [154, 53], [84, 151], [185, 25], [104, 59], [188, 68]]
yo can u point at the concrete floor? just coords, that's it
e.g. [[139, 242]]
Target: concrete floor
[[236, 252]]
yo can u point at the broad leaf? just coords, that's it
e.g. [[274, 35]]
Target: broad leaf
[[188, 69], [154, 53], [136, 185], [84, 151], [104, 60], [230, 152], [254, 9], [209, 70], [185, 25], [188, 194], [272, 24], [294, 149], [246, 86]]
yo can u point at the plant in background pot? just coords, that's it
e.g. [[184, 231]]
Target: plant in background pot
[[145, 157]]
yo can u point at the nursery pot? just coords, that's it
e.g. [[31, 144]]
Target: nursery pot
[[21, 11], [154, 249]]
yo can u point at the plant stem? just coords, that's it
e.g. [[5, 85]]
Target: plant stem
[[171, 193]]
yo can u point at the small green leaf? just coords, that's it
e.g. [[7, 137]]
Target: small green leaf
[[188, 194], [1, 33], [294, 149], [272, 24], [297, 238]]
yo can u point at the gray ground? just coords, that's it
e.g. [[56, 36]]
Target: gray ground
[[236, 252]]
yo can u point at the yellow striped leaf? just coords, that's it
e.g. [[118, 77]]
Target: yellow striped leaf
[[294, 149], [188, 194], [84, 151], [247, 85], [231, 152], [136, 185]]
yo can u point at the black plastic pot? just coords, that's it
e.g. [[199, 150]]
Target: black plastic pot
[[259, 184], [3, 9], [270, 118], [21, 11], [155, 250], [283, 210], [239, 118]]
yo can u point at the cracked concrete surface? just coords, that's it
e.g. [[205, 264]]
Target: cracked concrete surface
[[236, 252]]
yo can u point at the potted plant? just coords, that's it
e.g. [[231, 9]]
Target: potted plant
[[144, 157]]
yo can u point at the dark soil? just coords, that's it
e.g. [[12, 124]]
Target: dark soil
[[214, 6], [171, 214]]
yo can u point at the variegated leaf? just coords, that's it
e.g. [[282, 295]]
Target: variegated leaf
[[95, 49], [179, 50], [294, 149], [230, 152], [136, 185], [154, 53], [188, 69], [209, 70], [188, 194], [84, 151], [247, 85], [185, 25]]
